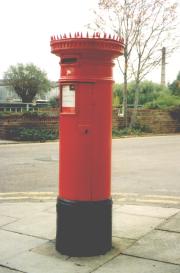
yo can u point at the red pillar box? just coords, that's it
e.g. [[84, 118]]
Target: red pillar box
[[84, 205]]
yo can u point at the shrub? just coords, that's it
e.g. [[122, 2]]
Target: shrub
[[149, 91], [35, 115], [126, 132], [164, 101], [32, 134], [143, 128]]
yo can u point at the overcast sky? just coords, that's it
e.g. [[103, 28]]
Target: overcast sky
[[26, 27]]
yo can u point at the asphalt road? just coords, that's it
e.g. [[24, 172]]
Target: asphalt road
[[143, 165]]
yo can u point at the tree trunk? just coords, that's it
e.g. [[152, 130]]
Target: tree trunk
[[125, 94], [136, 103]]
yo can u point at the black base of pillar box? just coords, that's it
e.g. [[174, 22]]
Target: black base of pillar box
[[84, 228]]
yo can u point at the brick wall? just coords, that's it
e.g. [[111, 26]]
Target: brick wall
[[7, 123], [159, 121]]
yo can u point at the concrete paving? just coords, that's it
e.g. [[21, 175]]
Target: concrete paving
[[126, 264], [27, 233], [172, 225], [158, 245]]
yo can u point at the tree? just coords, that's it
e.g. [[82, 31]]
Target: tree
[[175, 86], [27, 81], [119, 16], [145, 26], [156, 26]]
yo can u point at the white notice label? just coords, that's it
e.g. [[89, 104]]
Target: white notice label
[[68, 96]]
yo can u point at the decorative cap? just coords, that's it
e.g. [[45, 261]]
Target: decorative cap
[[113, 45]]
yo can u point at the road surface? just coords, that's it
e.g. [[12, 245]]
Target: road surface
[[140, 166]]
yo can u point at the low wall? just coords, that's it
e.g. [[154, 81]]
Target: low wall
[[158, 121], [11, 122]]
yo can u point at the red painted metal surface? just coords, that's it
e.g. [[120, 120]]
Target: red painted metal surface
[[86, 114]]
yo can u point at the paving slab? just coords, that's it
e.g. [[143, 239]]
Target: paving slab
[[41, 224], [31, 262], [127, 264], [4, 220], [23, 209], [6, 270], [48, 249], [119, 245], [52, 209], [45, 259], [172, 224], [133, 226], [158, 245], [147, 211], [12, 244]]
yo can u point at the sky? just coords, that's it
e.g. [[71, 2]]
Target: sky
[[27, 25]]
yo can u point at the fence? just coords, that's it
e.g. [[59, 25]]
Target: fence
[[21, 107]]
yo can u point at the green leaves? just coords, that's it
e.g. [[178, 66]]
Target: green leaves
[[27, 81], [33, 134]]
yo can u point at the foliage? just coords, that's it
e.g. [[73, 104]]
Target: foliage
[[144, 128], [27, 81], [149, 91], [126, 132], [8, 114], [35, 115], [175, 86], [32, 134], [137, 130], [164, 101], [116, 100], [152, 95], [145, 26]]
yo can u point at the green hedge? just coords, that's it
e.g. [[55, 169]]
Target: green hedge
[[32, 134]]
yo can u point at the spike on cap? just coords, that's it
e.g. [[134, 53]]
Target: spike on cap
[[70, 35], [109, 36], [64, 36], [60, 36], [78, 34], [97, 34], [81, 35], [75, 35], [94, 35], [57, 37], [51, 38], [114, 37], [87, 34], [105, 35]]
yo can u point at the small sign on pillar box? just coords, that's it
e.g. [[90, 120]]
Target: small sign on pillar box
[[68, 98], [84, 204]]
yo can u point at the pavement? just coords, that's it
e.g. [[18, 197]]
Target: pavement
[[146, 239]]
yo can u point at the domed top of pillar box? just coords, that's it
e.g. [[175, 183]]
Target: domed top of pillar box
[[87, 58]]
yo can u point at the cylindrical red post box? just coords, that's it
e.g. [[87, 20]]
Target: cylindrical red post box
[[84, 205]]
